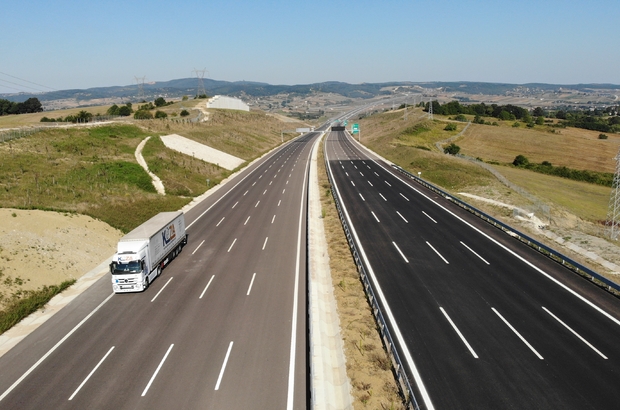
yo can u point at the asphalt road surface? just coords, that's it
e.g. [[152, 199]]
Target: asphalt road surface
[[482, 321], [223, 327]]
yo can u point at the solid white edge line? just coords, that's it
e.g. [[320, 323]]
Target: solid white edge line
[[90, 374], [203, 241], [146, 389], [530, 264], [439, 254], [206, 287], [291, 368], [49, 352], [429, 217], [575, 333], [517, 333], [232, 244], [162, 288], [251, 283], [388, 311], [472, 251], [458, 332]]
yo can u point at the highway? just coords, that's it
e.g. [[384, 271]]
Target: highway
[[481, 320], [223, 327]]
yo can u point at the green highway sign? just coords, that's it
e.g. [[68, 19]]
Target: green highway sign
[[355, 129]]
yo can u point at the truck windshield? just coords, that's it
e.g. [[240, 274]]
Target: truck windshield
[[119, 268]]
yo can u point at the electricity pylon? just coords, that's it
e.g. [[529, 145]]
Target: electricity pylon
[[613, 214]]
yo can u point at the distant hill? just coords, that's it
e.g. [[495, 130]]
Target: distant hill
[[188, 86]]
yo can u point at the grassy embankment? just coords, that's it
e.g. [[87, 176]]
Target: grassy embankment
[[93, 171]]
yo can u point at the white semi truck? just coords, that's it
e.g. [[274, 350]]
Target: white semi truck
[[142, 253]]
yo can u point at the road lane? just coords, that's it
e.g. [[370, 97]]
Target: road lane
[[424, 270], [197, 316]]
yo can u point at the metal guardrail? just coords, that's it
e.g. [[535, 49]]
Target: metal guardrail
[[399, 369], [553, 254]]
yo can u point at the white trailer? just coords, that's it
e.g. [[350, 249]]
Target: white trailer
[[142, 253]]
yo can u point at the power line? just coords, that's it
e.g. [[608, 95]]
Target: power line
[[30, 82], [20, 85]]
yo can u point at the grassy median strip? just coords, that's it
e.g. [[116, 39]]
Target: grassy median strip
[[17, 308], [368, 365]]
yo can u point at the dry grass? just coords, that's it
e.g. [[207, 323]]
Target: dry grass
[[368, 365], [572, 147]]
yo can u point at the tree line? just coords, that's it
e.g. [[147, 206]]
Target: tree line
[[29, 106], [606, 120]]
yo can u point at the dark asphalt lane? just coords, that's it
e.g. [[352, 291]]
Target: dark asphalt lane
[[224, 326], [481, 323]]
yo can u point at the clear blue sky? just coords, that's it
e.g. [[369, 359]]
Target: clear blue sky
[[65, 44]]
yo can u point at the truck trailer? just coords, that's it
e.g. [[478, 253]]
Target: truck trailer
[[142, 254]]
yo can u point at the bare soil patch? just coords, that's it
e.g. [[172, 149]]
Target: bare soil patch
[[43, 248]]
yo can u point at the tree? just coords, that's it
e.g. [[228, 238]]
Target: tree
[[540, 120], [160, 114], [31, 105], [113, 110], [184, 113], [520, 161], [538, 112], [160, 102], [124, 111], [452, 149], [83, 116]]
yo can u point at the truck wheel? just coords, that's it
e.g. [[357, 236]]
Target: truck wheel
[[146, 283]]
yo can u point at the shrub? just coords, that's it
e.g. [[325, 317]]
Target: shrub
[[450, 127], [143, 115], [452, 149], [461, 118], [184, 113], [160, 114], [520, 161], [602, 136]]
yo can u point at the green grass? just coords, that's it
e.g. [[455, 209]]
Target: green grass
[[181, 174], [31, 301]]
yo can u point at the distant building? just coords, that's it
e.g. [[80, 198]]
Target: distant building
[[227, 103]]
